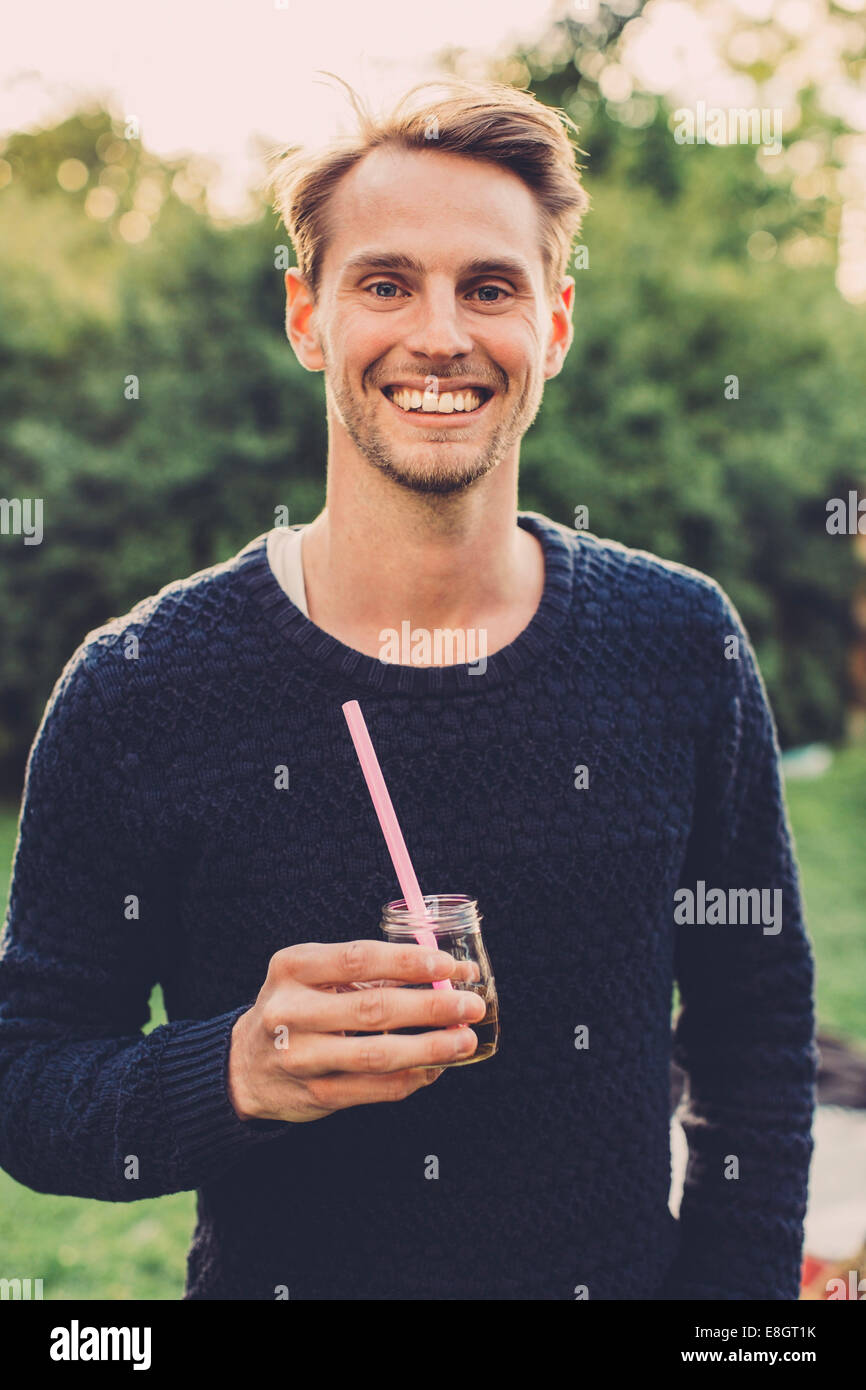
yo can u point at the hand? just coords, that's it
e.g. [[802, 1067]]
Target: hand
[[290, 1058]]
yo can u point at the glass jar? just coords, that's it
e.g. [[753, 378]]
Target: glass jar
[[455, 922]]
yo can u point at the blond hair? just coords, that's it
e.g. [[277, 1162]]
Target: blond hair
[[478, 119]]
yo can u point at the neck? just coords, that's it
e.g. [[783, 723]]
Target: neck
[[379, 553]]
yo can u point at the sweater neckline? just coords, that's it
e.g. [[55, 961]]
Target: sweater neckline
[[527, 649]]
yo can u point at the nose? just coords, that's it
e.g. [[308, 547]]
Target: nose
[[437, 329]]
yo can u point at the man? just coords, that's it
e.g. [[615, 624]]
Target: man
[[194, 814]]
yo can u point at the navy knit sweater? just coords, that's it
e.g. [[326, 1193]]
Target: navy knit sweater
[[157, 843]]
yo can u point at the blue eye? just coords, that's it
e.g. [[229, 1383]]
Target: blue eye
[[383, 284]]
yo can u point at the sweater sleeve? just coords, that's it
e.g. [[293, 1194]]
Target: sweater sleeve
[[89, 1105], [745, 1032]]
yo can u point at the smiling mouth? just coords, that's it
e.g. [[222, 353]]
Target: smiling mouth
[[464, 402]]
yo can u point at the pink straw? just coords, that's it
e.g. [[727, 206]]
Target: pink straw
[[390, 825]]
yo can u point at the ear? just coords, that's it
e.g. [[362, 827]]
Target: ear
[[301, 322], [562, 329]]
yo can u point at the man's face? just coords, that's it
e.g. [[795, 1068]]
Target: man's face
[[433, 283]]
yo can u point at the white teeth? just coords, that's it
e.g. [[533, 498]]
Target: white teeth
[[431, 403]]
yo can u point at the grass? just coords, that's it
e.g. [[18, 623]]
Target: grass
[[86, 1249], [828, 817]]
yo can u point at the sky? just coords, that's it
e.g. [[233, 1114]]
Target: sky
[[207, 75]]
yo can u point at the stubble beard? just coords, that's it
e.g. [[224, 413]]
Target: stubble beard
[[430, 470]]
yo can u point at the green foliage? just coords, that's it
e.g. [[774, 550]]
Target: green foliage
[[137, 492], [639, 430], [639, 427], [228, 426]]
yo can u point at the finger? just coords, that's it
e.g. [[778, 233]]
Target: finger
[[382, 1009], [309, 1055], [465, 971], [318, 963]]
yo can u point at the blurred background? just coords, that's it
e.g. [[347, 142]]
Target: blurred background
[[710, 410]]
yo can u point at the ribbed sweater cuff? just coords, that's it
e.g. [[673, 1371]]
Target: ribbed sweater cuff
[[193, 1075]]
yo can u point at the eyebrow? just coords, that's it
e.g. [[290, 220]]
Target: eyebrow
[[395, 260]]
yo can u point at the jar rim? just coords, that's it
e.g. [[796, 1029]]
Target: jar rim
[[446, 909]]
